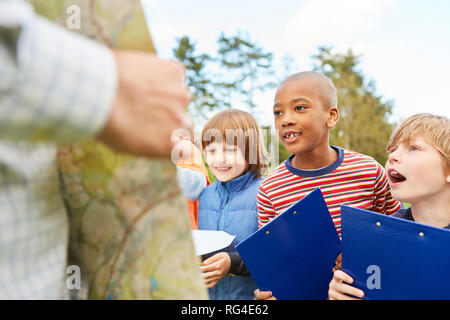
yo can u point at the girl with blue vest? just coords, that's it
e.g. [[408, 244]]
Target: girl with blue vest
[[236, 157]]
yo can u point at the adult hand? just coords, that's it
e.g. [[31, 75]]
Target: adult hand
[[340, 288], [263, 295], [149, 105], [215, 268]]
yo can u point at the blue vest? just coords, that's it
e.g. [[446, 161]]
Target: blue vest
[[231, 207]]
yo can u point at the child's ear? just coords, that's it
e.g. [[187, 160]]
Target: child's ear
[[333, 117]]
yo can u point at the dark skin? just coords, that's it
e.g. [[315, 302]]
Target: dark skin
[[305, 109], [305, 106]]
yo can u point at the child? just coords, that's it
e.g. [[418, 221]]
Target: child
[[305, 110], [235, 156], [418, 170]]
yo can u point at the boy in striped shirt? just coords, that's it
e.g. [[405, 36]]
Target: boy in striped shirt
[[305, 110]]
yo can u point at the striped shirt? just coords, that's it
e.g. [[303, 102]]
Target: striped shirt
[[353, 179]]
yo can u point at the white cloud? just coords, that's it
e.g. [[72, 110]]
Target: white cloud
[[164, 36], [331, 22], [409, 76], [165, 29], [408, 72], [149, 4], [404, 72]]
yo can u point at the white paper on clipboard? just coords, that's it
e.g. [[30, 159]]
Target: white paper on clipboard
[[206, 241]]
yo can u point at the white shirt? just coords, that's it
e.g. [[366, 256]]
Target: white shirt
[[55, 86]]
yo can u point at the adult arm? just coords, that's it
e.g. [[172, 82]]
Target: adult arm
[[58, 86], [55, 85]]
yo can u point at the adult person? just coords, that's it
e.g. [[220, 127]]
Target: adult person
[[57, 86]]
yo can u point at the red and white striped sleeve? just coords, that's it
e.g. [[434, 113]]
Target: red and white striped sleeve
[[266, 212], [383, 201]]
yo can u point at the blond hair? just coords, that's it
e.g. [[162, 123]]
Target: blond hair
[[435, 129], [240, 128]]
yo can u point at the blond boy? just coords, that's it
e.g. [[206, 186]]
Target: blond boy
[[418, 171]]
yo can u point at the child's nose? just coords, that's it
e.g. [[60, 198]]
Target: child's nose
[[394, 156], [287, 121]]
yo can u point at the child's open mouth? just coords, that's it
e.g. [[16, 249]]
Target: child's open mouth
[[395, 177], [291, 136]]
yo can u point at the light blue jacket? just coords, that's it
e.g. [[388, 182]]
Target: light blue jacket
[[231, 207]]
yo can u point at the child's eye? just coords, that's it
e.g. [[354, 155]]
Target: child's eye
[[276, 113], [299, 108], [414, 148]]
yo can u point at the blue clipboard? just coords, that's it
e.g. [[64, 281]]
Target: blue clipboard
[[391, 258], [293, 255]]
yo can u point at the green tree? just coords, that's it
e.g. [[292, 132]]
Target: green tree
[[200, 85], [248, 68], [233, 75], [364, 124]]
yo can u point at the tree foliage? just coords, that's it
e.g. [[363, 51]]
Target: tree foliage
[[249, 67], [364, 123], [199, 83], [232, 75], [239, 68]]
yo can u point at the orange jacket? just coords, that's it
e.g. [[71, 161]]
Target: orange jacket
[[194, 162]]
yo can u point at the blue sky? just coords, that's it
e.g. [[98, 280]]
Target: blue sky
[[404, 43]]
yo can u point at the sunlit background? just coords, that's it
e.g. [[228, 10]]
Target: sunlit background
[[404, 43]]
